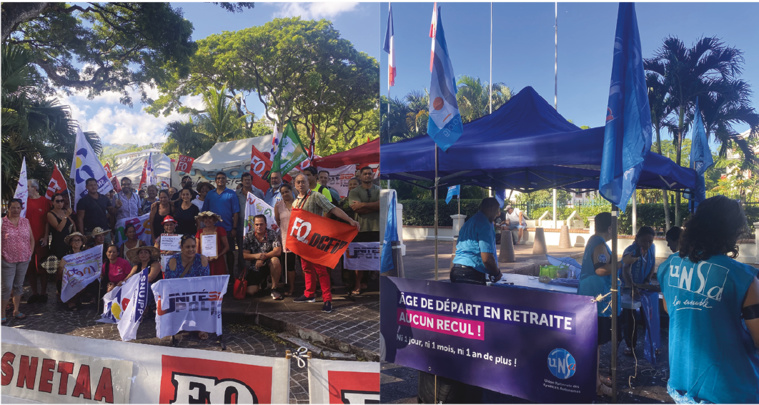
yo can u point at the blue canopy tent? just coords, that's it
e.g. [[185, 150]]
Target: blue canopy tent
[[525, 145]]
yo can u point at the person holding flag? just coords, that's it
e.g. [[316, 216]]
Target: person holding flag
[[317, 204]]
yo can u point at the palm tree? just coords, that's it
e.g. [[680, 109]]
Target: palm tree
[[183, 139], [473, 95], [660, 109], [687, 73], [729, 103], [418, 114], [220, 120]]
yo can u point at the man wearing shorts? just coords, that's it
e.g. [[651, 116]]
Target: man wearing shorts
[[261, 248]]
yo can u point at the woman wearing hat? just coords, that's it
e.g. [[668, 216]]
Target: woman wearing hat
[[169, 228], [76, 242], [218, 264], [98, 238], [143, 257], [132, 242]]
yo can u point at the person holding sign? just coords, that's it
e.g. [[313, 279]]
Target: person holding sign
[[168, 242], [316, 203], [188, 263], [212, 242], [76, 242]]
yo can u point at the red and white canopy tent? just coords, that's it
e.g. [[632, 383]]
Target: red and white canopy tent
[[342, 165]]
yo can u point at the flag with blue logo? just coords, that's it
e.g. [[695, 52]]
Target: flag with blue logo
[[444, 125], [86, 165], [134, 296], [391, 235], [453, 191], [700, 158], [627, 138]]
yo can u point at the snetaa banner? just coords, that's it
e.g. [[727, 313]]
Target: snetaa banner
[[532, 344], [318, 239]]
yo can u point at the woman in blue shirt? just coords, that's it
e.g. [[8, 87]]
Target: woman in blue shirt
[[637, 270], [713, 306]]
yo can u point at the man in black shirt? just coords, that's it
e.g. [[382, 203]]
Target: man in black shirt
[[93, 209]]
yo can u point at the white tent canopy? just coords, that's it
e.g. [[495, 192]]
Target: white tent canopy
[[132, 168], [232, 158]]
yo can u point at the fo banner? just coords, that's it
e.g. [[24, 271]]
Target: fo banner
[[184, 164], [256, 206], [141, 226], [362, 256], [536, 345], [54, 368], [343, 382], [189, 304], [80, 270], [260, 168], [318, 239], [339, 178]]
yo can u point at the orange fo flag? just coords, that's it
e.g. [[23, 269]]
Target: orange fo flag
[[57, 183], [318, 239]]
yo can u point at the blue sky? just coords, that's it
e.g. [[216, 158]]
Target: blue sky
[[523, 50], [523, 45], [117, 123]]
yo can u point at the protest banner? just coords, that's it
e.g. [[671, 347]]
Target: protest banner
[[80, 270], [343, 382], [134, 295], [189, 304], [255, 206], [55, 368], [141, 226], [318, 239], [339, 178], [184, 164], [362, 256], [536, 345]]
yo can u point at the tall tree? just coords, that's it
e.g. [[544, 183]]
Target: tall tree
[[687, 74], [473, 97], [101, 47], [660, 109], [300, 70]]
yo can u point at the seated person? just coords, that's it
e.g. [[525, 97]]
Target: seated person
[[262, 248], [637, 271]]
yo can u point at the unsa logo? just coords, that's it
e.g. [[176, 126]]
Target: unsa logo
[[561, 363]]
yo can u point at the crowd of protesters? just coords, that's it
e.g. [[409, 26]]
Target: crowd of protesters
[[35, 245]]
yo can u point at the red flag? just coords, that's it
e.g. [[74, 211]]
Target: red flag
[[108, 171], [184, 164], [260, 167], [115, 183], [57, 183], [144, 177], [318, 239]]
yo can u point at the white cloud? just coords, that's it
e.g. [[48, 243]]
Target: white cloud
[[314, 11]]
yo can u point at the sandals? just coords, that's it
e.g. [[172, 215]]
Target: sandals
[[356, 292], [19, 316], [5, 320]]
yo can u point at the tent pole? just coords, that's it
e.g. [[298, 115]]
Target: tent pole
[[635, 213], [436, 210], [614, 302], [555, 82], [490, 80]]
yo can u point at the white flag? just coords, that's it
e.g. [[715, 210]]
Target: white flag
[[150, 176], [22, 189], [80, 270], [141, 227], [255, 206], [86, 165], [189, 304], [134, 295], [113, 306], [339, 178]]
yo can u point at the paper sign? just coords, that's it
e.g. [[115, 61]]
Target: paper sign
[[171, 242], [208, 245]]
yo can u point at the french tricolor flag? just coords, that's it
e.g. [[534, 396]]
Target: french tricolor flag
[[390, 49]]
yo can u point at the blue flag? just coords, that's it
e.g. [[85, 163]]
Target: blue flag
[[627, 138], [444, 125], [391, 235], [700, 158], [501, 197], [453, 191]]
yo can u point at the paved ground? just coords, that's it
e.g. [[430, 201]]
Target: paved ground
[[258, 326], [399, 384]]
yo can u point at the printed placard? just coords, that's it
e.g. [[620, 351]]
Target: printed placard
[[208, 245], [171, 242]]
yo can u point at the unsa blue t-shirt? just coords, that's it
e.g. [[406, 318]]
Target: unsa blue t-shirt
[[711, 354], [475, 237], [641, 268], [591, 283]]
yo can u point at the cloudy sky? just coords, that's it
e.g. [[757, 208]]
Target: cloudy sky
[[116, 123]]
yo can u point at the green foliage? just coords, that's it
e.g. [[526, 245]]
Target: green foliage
[[473, 94], [101, 47], [300, 70]]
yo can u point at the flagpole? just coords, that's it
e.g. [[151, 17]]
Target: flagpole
[[555, 82], [490, 81], [614, 303], [436, 210]]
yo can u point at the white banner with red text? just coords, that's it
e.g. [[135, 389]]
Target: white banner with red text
[[343, 382], [53, 368]]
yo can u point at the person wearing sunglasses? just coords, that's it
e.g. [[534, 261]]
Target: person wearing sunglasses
[[364, 201], [61, 225]]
